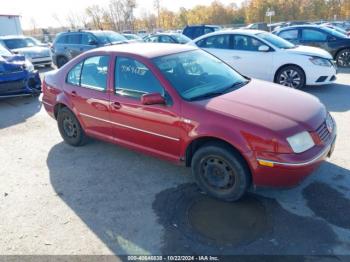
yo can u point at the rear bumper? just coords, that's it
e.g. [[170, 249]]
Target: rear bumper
[[41, 61], [291, 170]]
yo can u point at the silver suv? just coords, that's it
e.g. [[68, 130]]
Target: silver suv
[[70, 44]]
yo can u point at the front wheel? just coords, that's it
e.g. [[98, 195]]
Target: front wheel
[[70, 128], [343, 58], [220, 172], [291, 76]]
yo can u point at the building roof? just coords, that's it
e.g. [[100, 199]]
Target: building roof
[[9, 15]]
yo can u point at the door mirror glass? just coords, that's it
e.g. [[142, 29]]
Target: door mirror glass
[[264, 48], [152, 99]]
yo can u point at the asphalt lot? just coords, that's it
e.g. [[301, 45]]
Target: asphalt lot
[[104, 199]]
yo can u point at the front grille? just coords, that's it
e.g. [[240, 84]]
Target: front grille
[[323, 131], [14, 86]]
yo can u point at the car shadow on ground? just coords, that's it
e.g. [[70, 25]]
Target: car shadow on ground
[[27, 106], [137, 205], [336, 97]]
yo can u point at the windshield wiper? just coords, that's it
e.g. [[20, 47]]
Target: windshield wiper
[[207, 95], [221, 92]]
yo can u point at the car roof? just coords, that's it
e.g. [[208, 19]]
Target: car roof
[[147, 50], [300, 26], [203, 25], [233, 31]]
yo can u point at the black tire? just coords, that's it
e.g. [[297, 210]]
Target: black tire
[[70, 128], [220, 172], [343, 58], [61, 61], [291, 76]]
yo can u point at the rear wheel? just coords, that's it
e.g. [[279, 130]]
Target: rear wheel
[[61, 61], [220, 172], [343, 58], [70, 128], [291, 76]]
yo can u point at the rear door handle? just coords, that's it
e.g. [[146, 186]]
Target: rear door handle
[[236, 57], [74, 93], [116, 105]]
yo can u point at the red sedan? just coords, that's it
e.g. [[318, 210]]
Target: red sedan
[[181, 104]]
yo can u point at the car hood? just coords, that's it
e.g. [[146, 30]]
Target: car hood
[[33, 50], [269, 105], [310, 51], [11, 63]]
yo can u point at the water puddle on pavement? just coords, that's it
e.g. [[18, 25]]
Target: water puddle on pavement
[[195, 223], [228, 223]]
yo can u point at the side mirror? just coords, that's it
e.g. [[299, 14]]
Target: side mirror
[[92, 42], [152, 99], [264, 48]]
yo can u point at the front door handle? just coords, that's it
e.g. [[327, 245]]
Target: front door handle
[[74, 93], [116, 105], [236, 57]]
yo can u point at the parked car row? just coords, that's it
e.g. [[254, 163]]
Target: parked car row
[[32, 49], [262, 55]]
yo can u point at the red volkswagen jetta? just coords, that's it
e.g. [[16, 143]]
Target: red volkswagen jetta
[[181, 104]]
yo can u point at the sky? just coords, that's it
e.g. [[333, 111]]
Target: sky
[[42, 11]]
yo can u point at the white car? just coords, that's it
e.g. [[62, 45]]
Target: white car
[[262, 55], [33, 50]]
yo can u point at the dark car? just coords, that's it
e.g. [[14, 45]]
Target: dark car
[[71, 44], [194, 31], [17, 75], [169, 38], [324, 37], [179, 103]]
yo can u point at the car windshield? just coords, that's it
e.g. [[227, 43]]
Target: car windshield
[[334, 32], [197, 75], [4, 51], [182, 39], [15, 43], [276, 41], [109, 37]]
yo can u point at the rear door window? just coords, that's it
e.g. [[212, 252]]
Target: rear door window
[[91, 73], [246, 43], [74, 39], [313, 35], [94, 73]]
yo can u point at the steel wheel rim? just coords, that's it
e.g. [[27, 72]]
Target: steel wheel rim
[[344, 59], [290, 78], [217, 173], [70, 127]]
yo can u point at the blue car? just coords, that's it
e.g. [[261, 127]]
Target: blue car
[[17, 75]]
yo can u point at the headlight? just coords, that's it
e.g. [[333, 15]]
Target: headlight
[[320, 61], [301, 142], [28, 65]]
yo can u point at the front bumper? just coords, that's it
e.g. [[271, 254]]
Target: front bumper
[[30, 84], [288, 170], [322, 76]]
